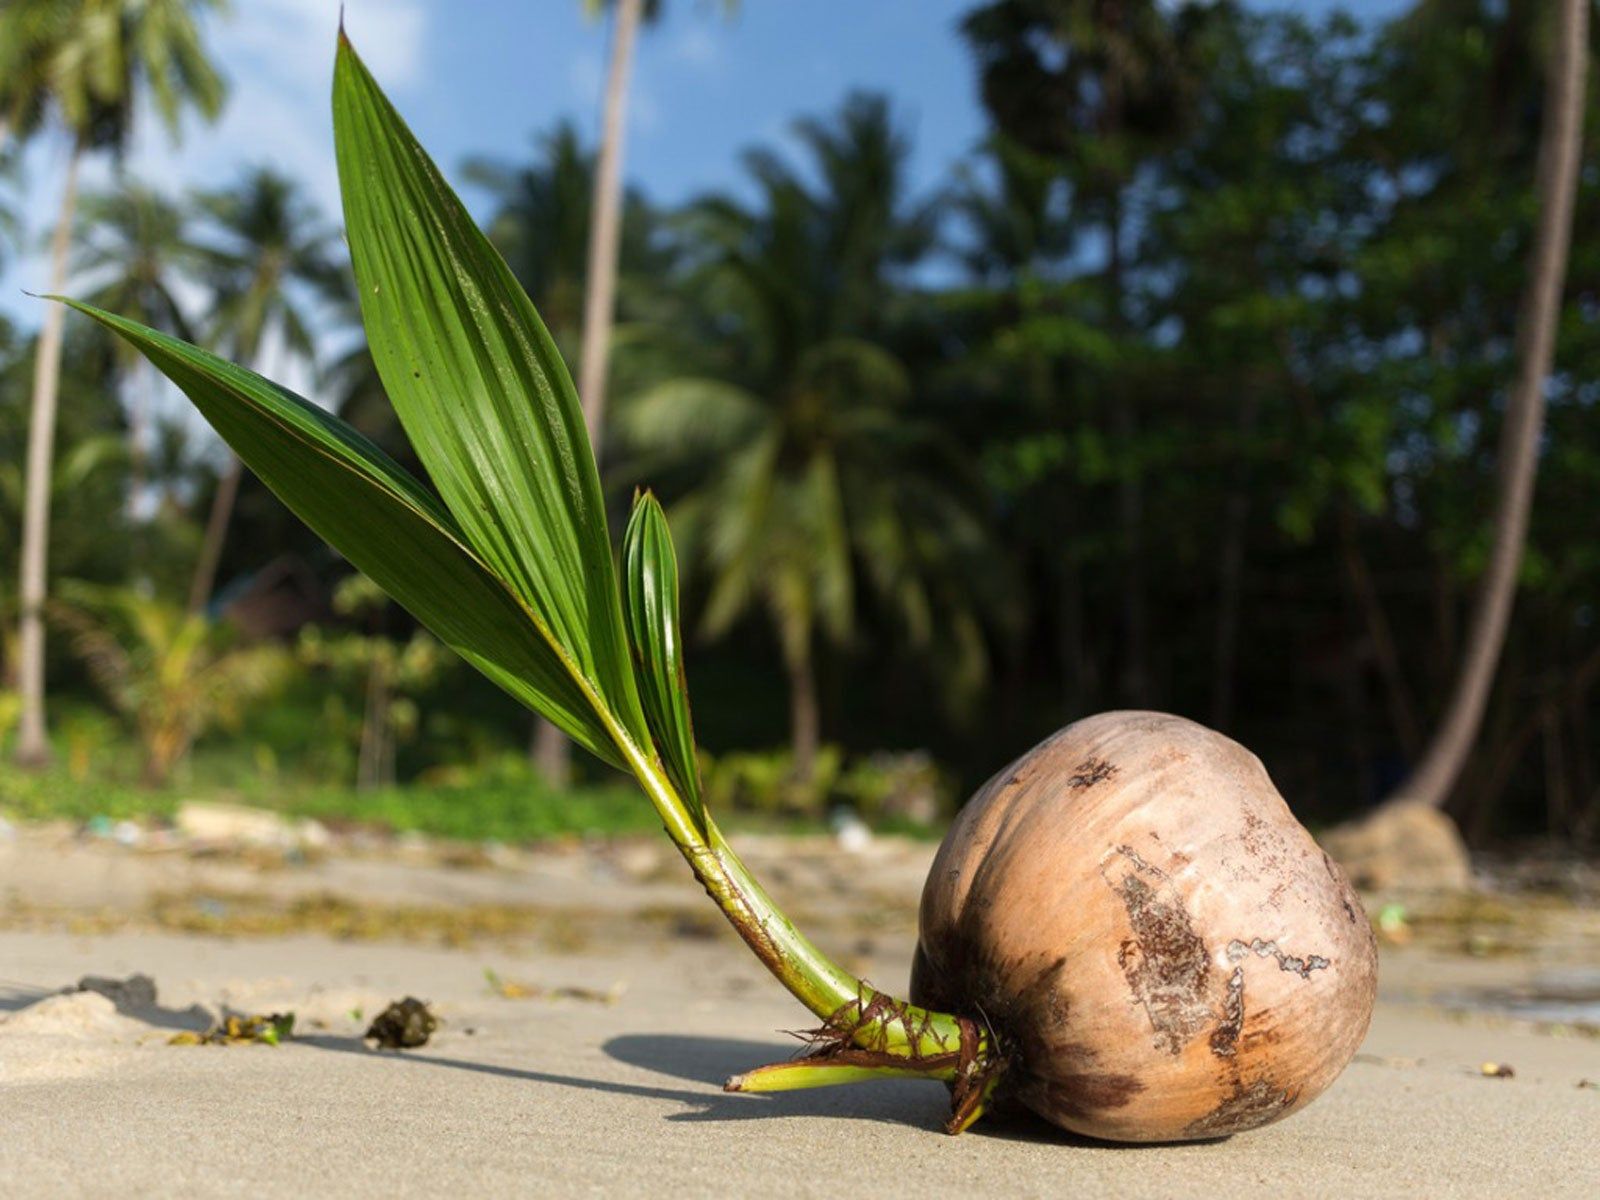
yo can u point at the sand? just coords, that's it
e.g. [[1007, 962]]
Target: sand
[[570, 1097]]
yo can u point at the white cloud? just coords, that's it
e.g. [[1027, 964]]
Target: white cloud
[[278, 57]]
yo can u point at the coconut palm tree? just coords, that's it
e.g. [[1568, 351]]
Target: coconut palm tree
[[540, 224], [84, 66], [270, 254], [605, 237], [801, 474], [1560, 156], [550, 750], [172, 675], [133, 253]]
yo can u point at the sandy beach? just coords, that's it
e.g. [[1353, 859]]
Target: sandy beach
[[616, 1089]]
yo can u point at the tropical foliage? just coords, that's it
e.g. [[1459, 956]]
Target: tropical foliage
[[1183, 391]]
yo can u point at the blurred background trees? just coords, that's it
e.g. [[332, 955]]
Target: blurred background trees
[[1184, 391]]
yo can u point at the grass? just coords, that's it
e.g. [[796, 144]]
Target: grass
[[493, 812], [501, 810], [496, 811]]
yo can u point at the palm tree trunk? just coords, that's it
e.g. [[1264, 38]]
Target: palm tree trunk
[[33, 740], [205, 568], [550, 751], [805, 722], [1561, 143], [605, 228]]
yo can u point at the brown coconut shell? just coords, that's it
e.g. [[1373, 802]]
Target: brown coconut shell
[[1160, 948]]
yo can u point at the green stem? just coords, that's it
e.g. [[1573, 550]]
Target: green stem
[[901, 1036]]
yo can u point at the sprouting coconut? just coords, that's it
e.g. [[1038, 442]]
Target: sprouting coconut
[[1157, 946], [1126, 930]]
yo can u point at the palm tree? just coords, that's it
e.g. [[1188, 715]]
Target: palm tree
[[272, 253], [134, 253], [541, 223], [87, 64], [171, 674], [605, 237], [803, 477], [1560, 153], [550, 750]]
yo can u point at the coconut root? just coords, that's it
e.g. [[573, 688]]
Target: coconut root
[[877, 1036]]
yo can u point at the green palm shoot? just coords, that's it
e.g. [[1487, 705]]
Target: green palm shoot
[[507, 558]]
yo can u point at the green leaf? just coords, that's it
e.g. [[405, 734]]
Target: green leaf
[[650, 605], [480, 387], [387, 524]]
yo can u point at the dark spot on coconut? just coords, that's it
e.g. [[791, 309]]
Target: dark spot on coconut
[[1045, 998], [1089, 1093], [1028, 1020], [1238, 951], [1264, 1033], [1247, 1106], [1225, 1037], [1165, 962], [1090, 772]]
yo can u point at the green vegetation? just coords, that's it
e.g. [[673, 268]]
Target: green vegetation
[[1184, 393], [513, 812]]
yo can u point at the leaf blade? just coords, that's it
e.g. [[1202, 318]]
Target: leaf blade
[[479, 386], [382, 520], [650, 610]]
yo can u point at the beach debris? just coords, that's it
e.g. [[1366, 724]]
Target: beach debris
[[129, 995], [1392, 924], [240, 1029], [404, 1025], [1592, 1085], [511, 989], [1496, 1070]]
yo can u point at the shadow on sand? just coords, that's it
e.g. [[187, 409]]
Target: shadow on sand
[[195, 1018], [705, 1062]]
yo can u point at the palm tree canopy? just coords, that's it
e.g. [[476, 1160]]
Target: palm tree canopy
[[134, 250], [88, 60], [800, 471], [272, 247], [540, 224]]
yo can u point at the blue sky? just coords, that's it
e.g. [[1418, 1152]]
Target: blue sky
[[480, 76]]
